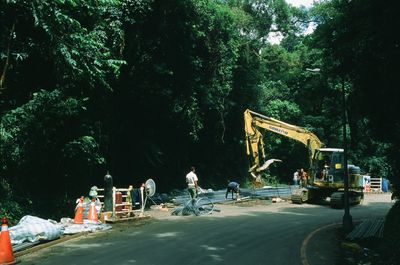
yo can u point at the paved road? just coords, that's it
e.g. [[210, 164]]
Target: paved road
[[264, 234]]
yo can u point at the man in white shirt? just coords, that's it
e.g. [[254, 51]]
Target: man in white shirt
[[296, 178], [191, 180]]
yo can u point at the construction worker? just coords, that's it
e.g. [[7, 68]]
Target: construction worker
[[129, 197], [191, 180], [303, 178], [233, 187], [296, 177]]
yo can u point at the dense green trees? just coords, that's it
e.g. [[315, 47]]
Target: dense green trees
[[358, 47], [57, 65], [147, 88], [174, 90]]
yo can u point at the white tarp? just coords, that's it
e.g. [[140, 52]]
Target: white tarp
[[70, 228], [33, 229]]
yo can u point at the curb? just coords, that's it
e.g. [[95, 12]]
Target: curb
[[304, 245], [48, 244], [41, 245]]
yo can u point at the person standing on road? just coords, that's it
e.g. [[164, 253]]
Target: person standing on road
[[303, 178], [233, 187], [296, 177], [191, 180]]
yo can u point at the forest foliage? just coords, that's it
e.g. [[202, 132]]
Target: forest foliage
[[148, 88]]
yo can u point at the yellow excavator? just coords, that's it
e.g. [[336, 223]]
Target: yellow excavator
[[326, 165]]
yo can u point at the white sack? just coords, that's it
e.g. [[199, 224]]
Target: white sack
[[33, 229]]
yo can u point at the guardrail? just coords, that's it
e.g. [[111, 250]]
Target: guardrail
[[219, 195]]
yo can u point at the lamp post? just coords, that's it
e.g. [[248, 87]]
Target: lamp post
[[347, 221]]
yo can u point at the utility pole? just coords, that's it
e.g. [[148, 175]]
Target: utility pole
[[347, 219]]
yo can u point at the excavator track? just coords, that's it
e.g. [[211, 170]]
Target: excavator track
[[299, 196], [337, 198], [296, 199]]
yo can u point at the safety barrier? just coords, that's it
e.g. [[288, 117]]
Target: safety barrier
[[122, 205]]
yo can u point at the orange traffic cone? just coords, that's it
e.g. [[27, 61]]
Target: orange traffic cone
[[6, 253], [92, 214], [79, 212]]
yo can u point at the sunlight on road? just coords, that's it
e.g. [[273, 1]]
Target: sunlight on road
[[167, 234], [211, 248], [81, 245], [292, 213], [213, 256]]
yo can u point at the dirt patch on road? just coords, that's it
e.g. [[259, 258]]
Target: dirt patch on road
[[235, 208], [253, 202], [222, 209]]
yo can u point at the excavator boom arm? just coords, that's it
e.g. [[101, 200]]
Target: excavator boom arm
[[253, 121]]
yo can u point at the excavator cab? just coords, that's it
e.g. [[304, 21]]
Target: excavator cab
[[327, 165], [328, 170]]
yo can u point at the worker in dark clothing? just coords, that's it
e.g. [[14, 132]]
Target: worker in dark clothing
[[233, 187], [136, 197]]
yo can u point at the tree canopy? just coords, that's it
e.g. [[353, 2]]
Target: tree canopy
[[148, 88]]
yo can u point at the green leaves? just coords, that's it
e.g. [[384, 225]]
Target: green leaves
[[84, 148], [35, 122], [182, 53], [9, 207], [155, 85], [76, 42], [358, 46], [283, 110]]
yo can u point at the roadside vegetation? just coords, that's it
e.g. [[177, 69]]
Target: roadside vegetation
[[144, 88], [391, 235]]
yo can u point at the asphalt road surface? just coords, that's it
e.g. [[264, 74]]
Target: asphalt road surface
[[258, 234]]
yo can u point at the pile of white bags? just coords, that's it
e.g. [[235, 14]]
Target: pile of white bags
[[33, 229]]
